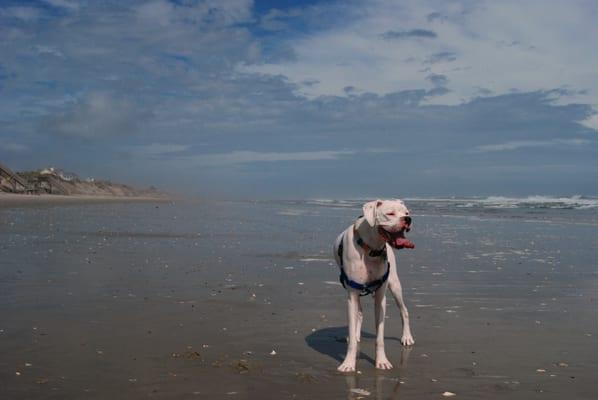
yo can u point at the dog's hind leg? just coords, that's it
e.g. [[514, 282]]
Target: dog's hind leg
[[397, 292]]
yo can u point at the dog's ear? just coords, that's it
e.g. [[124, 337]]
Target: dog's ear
[[369, 211]]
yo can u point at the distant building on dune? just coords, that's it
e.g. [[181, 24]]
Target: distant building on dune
[[65, 176]]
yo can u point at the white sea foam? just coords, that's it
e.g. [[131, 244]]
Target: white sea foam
[[573, 202], [336, 203], [290, 212], [497, 202]]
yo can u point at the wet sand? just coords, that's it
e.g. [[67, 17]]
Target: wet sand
[[11, 200], [240, 300]]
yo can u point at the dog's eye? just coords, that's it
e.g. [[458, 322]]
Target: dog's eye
[[390, 213]]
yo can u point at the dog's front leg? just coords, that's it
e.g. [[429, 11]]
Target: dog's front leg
[[380, 311], [352, 314], [359, 323], [397, 291]]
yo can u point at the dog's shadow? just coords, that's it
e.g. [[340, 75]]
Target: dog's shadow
[[333, 342]]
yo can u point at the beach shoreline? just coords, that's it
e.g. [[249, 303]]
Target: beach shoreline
[[11, 200]]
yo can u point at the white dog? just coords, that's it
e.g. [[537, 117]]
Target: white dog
[[368, 265]]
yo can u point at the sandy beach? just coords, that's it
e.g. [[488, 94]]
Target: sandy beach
[[241, 301]]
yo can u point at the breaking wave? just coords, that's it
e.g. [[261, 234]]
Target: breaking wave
[[530, 202], [577, 202]]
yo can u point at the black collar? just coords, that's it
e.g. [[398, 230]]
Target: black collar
[[371, 252]]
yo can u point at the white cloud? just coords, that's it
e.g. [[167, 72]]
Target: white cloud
[[591, 122], [499, 46], [51, 50], [27, 14], [520, 144], [275, 19], [245, 157], [165, 13], [97, 114], [158, 149], [12, 147], [66, 4]]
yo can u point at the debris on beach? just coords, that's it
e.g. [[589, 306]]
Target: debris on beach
[[361, 392], [242, 366], [448, 394], [541, 370], [273, 353], [189, 355], [562, 365], [305, 377]]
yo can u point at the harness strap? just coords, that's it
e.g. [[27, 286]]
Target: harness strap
[[369, 288]]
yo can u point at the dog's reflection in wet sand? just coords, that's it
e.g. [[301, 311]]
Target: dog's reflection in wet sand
[[382, 381]]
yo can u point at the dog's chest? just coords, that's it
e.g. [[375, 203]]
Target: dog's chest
[[368, 269]]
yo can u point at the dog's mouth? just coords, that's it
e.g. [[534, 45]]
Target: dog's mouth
[[396, 239]]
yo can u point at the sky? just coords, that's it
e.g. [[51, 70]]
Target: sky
[[305, 99]]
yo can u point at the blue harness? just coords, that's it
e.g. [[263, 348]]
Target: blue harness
[[368, 288]]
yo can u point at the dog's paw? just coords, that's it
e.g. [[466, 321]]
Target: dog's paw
[[347, 366], [383, 363], [407, 340]]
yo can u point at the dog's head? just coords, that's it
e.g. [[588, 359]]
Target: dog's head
[[392, 219]]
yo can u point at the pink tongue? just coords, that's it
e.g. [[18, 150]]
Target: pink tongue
[[401, 243], [398, 240]]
